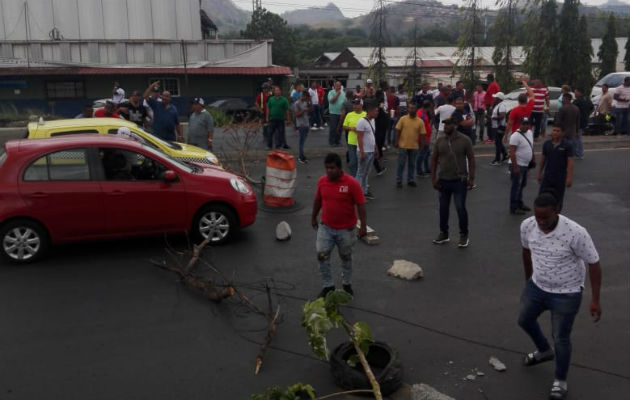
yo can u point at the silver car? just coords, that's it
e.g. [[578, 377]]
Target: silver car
[[511, 100], [613, 80]]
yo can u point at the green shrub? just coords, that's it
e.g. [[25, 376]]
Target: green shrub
[[220, 118]]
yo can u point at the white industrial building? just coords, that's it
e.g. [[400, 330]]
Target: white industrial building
[[56, 55]]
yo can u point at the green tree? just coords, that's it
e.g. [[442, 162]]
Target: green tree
[[467, 56], [267, 25], [503, 32], [584, 51], [608, 49], [626, 59], [542, 41], [566, 57]]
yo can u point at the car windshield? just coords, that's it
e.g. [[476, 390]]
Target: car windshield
[[159, 154], [514, 95], [612, 80], [3, 155], [170, 145]]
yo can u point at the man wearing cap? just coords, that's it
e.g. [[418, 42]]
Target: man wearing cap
[[453, 153], [200, 125], [165, 117], [497, 124], [521, 154], [133, 110]]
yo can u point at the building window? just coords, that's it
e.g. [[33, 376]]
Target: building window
[[65, 90], [169, 84]]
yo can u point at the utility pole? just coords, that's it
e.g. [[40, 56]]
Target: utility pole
[[508, 50], [378, 41], [415, 55], [256, 5]]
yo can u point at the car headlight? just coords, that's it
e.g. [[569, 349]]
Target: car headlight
[[239, 186], [212, 159]]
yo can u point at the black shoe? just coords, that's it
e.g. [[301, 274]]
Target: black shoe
[[398, 184], [286, 146], [412, 184], [525, 208], [381, 172], [369, 196], [325, 291], [348, 289], [517, 211], [302, 160]]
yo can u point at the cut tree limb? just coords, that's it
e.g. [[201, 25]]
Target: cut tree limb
[[272, 327], [376, 388]]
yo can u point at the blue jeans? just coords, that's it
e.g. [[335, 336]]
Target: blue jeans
[[303, 133], [389, 139], [622, 121], [457, 189], [363, 169], [563, 307], [276, 129], [519, 181], [334, 135], [499, 149], [344, 239], [316, 116], [422, 162], [577, 144], [403, 156], [353, 161]]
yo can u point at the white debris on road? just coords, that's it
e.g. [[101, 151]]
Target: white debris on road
[[497, 364], [404, 269], [425, 392], [283, 231]]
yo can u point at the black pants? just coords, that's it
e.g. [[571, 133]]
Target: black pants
[[537, 118], [458, 190], [558, 184], [500, 153], [380, 143]]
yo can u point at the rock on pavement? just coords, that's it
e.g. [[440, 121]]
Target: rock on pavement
[[497, 364], [405, 270], [283, 231]]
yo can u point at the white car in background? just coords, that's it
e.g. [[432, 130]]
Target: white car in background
[[613, 80], [511, 100]]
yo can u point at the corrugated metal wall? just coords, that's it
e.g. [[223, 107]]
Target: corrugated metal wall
[[100, 19]]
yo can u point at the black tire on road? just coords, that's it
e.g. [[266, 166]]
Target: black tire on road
[[383, 360], [23, 241], [216, 219]]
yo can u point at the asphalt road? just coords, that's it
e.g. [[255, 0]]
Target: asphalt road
[[99, 321]]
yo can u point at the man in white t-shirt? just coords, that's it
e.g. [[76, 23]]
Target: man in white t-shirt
[[444, 112], [521, 153], [555, 249], [316, 121], [118, 94], [497, 125], [622, 108], [366, 149]]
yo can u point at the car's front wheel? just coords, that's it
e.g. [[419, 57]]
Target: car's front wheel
[[215, 221], [23, 241]]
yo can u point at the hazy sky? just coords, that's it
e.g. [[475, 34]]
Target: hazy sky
[[352, 8]]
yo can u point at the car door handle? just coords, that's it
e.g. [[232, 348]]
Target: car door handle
[[116, 193], [38, 195]]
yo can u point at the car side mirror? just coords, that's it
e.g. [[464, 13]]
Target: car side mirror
[[170, 176]]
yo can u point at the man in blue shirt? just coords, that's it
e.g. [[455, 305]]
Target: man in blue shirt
[[165, 119]]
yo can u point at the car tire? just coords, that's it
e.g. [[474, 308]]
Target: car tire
[[383, 360], [217, 220], [23, 241]]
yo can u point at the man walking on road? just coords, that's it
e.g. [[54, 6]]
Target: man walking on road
[[479, 107], [337, 196], [555, 249], [586, 107], [277, 115], [569, 119], [301, 110], [349, 125], [336, 98], [316, 121], [521, 154], [556, 165], [410, 136], [165, 117], [366, 149], [200, 126], [453, 152]]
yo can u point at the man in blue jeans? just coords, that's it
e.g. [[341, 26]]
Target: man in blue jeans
[[453, 152], [336, 98], [521, 153], [338, 194], [555, 249]]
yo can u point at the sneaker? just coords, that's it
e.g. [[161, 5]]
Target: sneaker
[[348, 289], [441, 238], [525, 208], [369, 196], [301, 160], [495, 163], [517, 211], [325, 123], [398, 184], [412, 184], [286, 146], [325, 291], [381, 172], [463, 241]]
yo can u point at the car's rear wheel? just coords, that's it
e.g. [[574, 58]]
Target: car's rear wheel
[[215, 221], [23, 241]]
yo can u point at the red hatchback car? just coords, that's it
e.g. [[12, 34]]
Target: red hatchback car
[[87, 187]]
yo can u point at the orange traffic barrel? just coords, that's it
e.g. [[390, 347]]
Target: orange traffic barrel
[[280, 179]]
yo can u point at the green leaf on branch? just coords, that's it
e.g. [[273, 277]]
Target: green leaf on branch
[[299, 391], [363, 336], [317, 323]]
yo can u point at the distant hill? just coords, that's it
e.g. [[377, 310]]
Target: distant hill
[[314, 15], [226, 15], [616, 7]]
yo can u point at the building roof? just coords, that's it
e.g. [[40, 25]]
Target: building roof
[[22, 71]]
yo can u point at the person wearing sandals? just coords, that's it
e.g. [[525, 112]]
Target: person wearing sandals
[[555, 250]]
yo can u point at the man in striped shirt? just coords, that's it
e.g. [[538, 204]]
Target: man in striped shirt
[[541, 103]]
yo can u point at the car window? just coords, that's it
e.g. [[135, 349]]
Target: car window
[[66, 165], [614, 80], [134, 136], [125, 165], [514, 95], [63, 133], [3, 155]]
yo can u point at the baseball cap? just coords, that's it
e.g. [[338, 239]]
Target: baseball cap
[[357, 101], [448, 121], [499, 95], [198, 100], [525, 121], [369, 81]]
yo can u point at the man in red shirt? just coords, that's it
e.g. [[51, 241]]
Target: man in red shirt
[[523, 110], [337, 196], [109, 111], [493, 88]]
